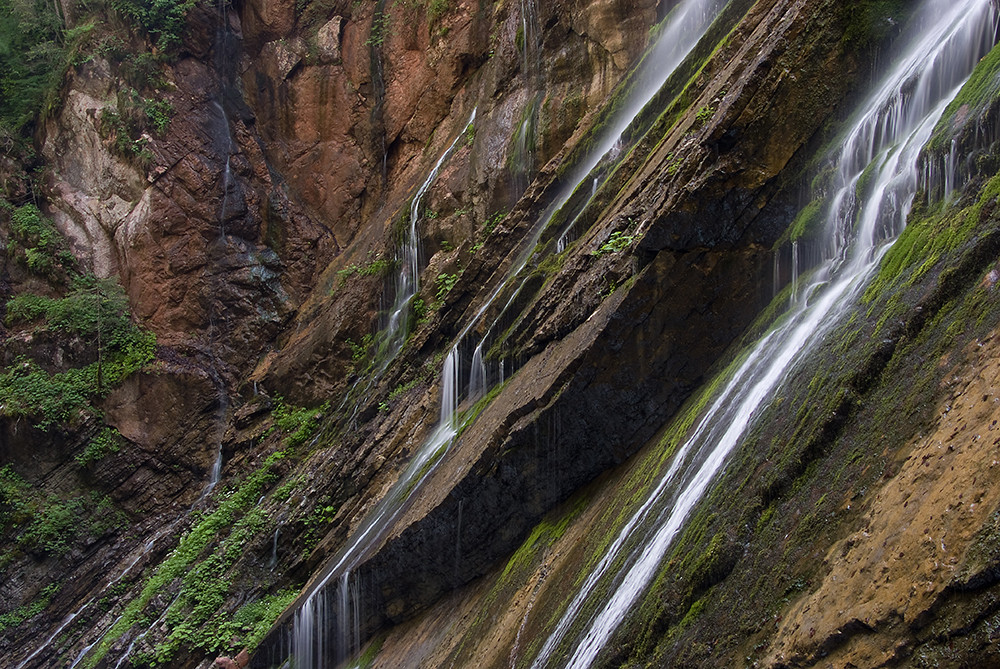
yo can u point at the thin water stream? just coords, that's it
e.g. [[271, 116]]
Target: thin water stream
[[889, 132], [323, 630]]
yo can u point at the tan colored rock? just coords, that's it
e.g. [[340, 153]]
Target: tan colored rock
[[283, 56], [328, 40], [887, 577], [98, 196]]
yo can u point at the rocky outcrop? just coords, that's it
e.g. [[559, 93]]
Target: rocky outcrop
[[257, 239]]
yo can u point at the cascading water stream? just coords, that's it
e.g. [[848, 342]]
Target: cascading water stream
[[683, 29], [891, 130], [325, 626], [398, 322], [522, 157], [318, 635]]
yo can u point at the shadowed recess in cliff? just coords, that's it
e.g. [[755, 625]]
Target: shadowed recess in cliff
[[883, 144]]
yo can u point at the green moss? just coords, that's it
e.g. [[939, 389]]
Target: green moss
[[808, 225], [929, 235], [979, 91], [870, 22]]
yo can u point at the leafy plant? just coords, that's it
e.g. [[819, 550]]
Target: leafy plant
[[235, 511], [36, 242], [298, 423], [704, 114], [106, 442], [29, 610], [617, 242], [96, 310], [162, 20], [381, 24], [444, 283], [31, 62], [491, 223], [129, 123]]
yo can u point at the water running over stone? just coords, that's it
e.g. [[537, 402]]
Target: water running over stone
[[399, 319], [324, 626], [890, 131]]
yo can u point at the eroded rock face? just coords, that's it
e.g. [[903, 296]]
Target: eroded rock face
[[285, 173], [919, 544]]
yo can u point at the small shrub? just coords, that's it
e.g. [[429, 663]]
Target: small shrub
[[106, 442], [36, 242], [617, 242], [162, 20], [298, 423]]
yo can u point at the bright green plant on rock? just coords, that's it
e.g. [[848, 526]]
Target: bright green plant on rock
[[35, 241], [162, 20], [96, 311], [200, 567], [299, 424]]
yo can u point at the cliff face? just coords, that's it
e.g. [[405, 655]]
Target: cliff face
[[199, 500]]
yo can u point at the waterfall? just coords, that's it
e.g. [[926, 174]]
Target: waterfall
[[887, 136], [398, 322], [326, 629], [315, 633], [681, 32], [522, 158]]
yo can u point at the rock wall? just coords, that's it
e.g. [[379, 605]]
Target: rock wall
[[258, 239]]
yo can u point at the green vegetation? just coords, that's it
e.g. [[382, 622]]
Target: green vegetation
[[132, 120], [490, 224], [322, 515], [35, 242], [979, 91], [37, 47], [704, 114], [162, 20], [298, 424], [617, 242], [808, 225], [930, 234], [28, 611], [444, 284], [105, 443], [870, 22], [31, 63], [201, 572], [376, 267], [47, 525], [96, 311], [381, 25]]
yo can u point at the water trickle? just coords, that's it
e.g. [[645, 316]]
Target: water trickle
[[684, 27], [795, 271], [399, 320], [274, 549], [310, 638], [528, 39], [223, 141], [325, 626], [477, 374], [348, 619], [82, 654], [889, 132], [949, 169]]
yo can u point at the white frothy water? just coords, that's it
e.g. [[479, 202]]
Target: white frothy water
[[890, 131]]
